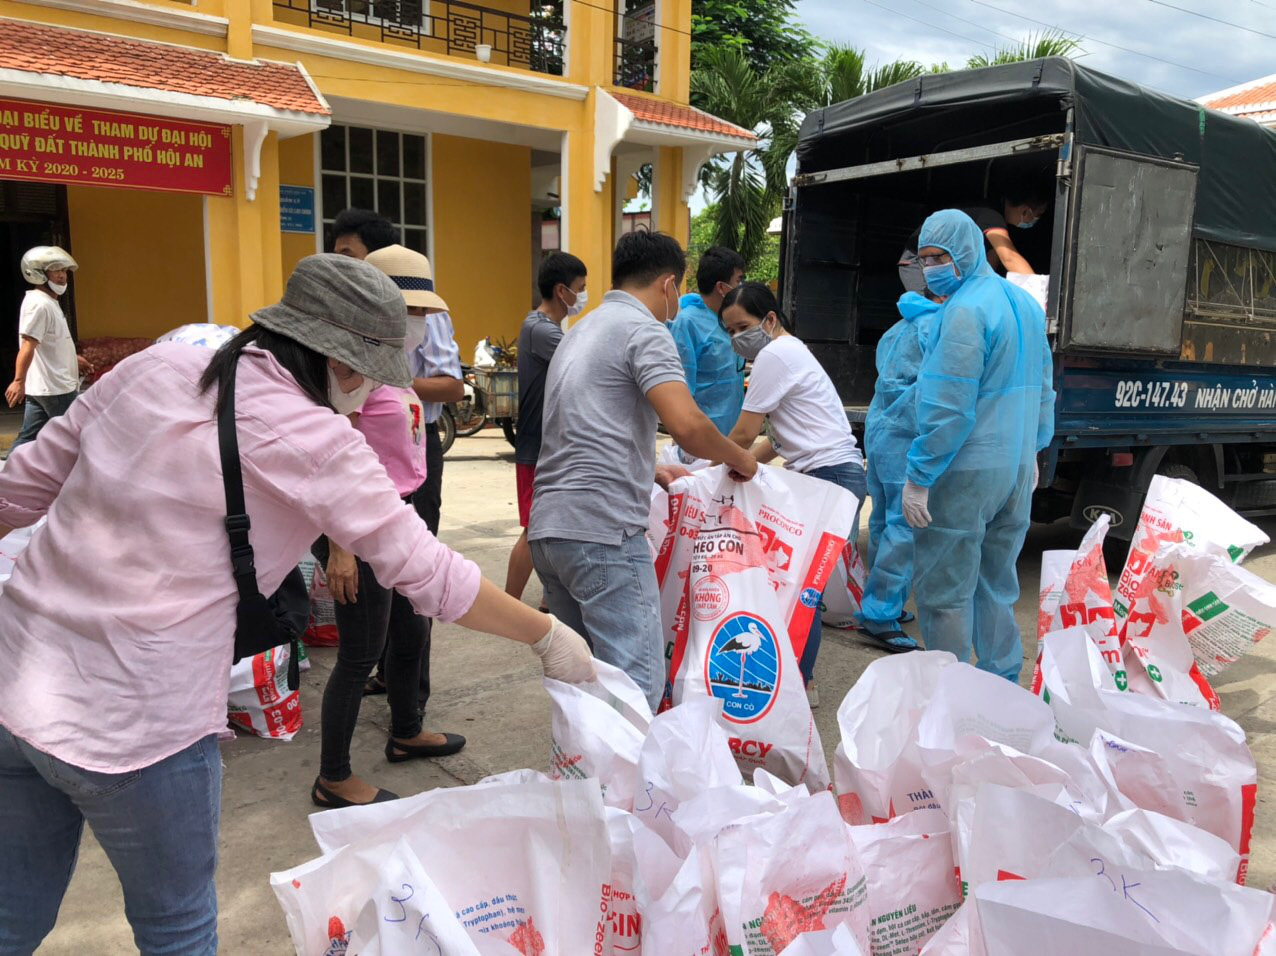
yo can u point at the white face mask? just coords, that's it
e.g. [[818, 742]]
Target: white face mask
[[582, 300], [347, 403], [415, 334], [57, 288]]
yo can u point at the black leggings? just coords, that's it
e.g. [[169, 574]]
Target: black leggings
[[381, 618]]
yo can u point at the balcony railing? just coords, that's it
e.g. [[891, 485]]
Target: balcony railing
[[534, 42], [635, 53]]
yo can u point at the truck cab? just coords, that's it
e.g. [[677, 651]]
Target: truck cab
[[1159, 243]]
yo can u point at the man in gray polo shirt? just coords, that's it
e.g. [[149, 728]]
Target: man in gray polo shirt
[[613, 376]]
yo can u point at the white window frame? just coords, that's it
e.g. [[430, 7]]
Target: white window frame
[[324, 218]]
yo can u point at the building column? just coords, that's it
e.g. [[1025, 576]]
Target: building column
[[591, 49], [670, 212], [242, 242], [587, 204]]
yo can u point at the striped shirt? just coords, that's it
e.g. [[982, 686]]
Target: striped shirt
[[436, 355]]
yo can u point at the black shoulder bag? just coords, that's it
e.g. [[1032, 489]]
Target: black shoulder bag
[[260, 623]]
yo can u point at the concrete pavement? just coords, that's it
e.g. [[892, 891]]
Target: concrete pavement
[[489, 690]]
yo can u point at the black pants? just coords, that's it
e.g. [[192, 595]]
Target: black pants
[[427, 500], [381, 621]]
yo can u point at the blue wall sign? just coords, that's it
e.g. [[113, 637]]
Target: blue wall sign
[[297, 209]]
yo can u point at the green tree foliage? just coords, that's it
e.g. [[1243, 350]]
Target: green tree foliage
[[765, 31], [765, 267], [1034, 47], [746, 187]]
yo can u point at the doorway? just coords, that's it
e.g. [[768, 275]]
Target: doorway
[[31, 214]]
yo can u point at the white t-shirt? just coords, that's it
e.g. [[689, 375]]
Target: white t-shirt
[[808, 426], [55, 370]]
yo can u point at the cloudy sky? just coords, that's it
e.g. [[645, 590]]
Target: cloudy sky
[[1224, 55]]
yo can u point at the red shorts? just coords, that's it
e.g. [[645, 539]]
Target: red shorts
[[524, 475]]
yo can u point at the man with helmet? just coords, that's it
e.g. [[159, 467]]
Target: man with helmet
[[48, 370]]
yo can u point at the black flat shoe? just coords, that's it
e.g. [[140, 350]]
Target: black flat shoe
[[321, 796], [396, 752]]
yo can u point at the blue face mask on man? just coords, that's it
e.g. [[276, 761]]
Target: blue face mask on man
[[942, 280]]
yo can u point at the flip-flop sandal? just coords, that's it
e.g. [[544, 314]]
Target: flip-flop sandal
[[896, 641], [907, 617]]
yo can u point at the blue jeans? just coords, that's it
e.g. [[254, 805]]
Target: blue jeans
[[848, 475], [36, 413], [157, 825], [608, 593]]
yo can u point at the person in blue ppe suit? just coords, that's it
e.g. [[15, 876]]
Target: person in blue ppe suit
[[985, 407], [715, 374], [889, 430]]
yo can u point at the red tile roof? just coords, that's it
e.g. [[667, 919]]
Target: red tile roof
[[682, 117], [36, 48], [1255, 99]]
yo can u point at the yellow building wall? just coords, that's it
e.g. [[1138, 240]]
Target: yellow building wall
[[482, 236], [141, 257], [297, 168]]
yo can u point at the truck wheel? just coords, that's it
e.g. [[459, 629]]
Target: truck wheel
[[1175, 470]]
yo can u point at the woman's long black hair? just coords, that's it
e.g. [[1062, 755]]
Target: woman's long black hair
[[307, 366], [756, 299]]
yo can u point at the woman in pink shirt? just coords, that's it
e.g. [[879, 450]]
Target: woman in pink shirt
[[117, 625]]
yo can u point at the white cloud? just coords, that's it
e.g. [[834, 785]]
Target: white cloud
[[1231, 55]]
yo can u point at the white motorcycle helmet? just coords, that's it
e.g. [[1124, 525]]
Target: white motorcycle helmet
[[36, 262]]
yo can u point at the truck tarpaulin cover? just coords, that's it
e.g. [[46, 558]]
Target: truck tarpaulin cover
[[1236, 193]]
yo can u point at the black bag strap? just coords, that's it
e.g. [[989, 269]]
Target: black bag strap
[[253, 606], [242, 562]]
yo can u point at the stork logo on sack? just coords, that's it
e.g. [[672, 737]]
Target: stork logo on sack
[[810, 597], [742, 668]]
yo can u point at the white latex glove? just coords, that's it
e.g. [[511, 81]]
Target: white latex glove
[[564, 654], [913, 503], [1036, 472]]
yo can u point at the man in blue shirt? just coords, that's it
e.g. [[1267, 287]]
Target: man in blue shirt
[[714, 372]]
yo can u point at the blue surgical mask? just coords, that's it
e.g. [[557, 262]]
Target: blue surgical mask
[[1024, 224], [942, 280]]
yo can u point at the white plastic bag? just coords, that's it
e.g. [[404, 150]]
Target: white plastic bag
[[1177, 511], [685, 752], [877, 768], [1115, 910], [1083, 599], [844, 594], [761, 557], [598, 730], [638, 858], [258, 698], [489, 848], [1196, 614], [12, 545], [770, 894], [406, 914], [1186, 762], [828, 942], [683, 918], [908, 863], [1037, 286]]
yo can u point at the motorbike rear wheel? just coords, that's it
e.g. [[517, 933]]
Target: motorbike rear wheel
[[447, 429]]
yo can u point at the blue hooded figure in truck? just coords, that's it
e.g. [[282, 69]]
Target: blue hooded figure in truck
[[985, 407]]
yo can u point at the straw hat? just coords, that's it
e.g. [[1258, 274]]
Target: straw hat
[[411, 272], [347, 310]]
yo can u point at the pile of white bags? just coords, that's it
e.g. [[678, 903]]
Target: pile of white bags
[[969, 817]]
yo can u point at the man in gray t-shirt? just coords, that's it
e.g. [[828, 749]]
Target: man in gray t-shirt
[[613, 377]]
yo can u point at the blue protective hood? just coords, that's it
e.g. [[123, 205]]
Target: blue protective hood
[[958, 235], [913, 305]]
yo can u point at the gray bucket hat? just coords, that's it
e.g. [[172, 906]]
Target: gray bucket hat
[[347, 310]]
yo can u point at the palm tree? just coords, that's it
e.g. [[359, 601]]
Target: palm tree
[[1034, 47], [846, 73], [746, 187]]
